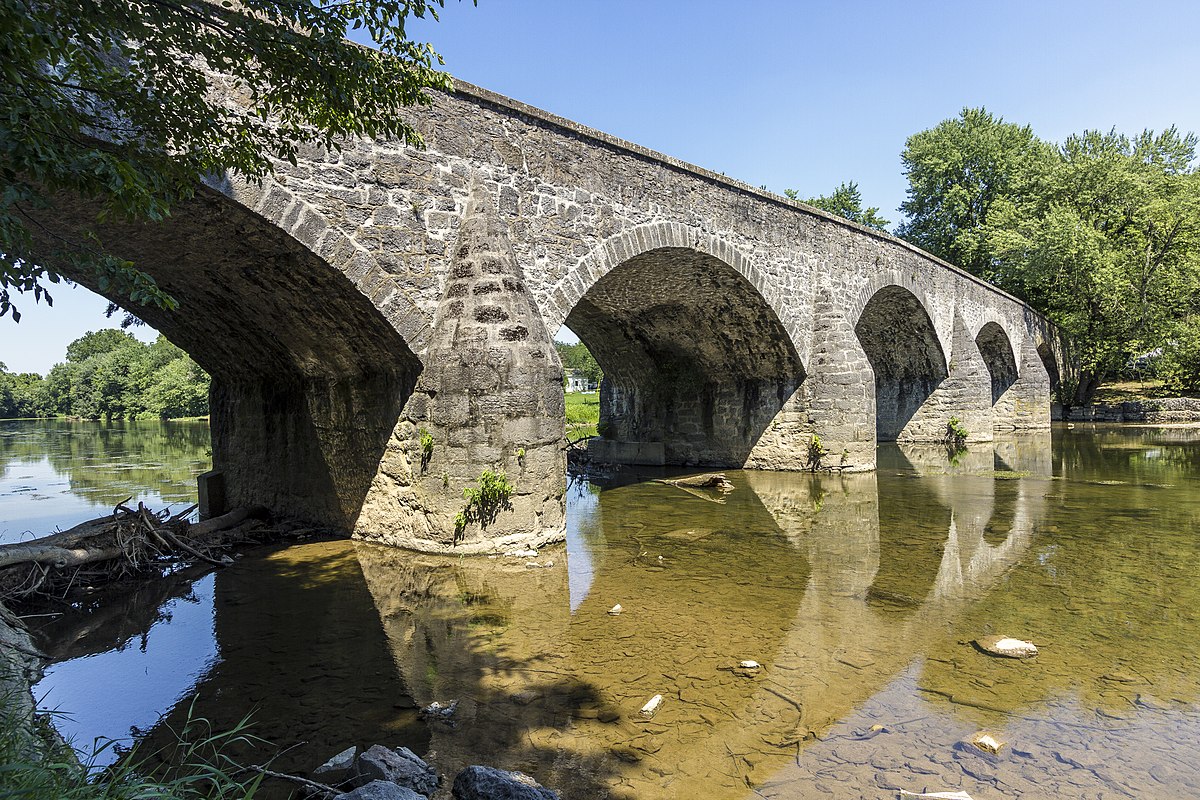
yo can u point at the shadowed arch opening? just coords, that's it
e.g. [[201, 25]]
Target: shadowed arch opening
[[1050, 362], [902, 347], [308, 377], [697, 365], [998, 355]]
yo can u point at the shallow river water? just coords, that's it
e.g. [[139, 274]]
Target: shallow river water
[[859, 595]]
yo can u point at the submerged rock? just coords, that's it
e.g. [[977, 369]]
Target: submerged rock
[[400, 766], [440, 711], [651, 707], [1006, 646], [488, 783], [381, 790], [986, 742]]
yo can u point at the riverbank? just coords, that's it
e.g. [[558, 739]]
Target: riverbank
[[1158, 410]]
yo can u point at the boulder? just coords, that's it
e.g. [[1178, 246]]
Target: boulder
[[400, 766], [488, 783], [381, 790], [338, 768], [1006, 646]]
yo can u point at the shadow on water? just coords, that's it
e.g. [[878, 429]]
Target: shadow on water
[[856, 594]]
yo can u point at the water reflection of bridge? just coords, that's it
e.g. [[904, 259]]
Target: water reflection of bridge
[[834, 592]]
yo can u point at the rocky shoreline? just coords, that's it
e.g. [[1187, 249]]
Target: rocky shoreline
[[1160, 410]]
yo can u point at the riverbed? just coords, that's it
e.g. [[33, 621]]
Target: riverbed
[[859, 596]]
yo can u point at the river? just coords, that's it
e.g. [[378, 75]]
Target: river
[[859, 595]]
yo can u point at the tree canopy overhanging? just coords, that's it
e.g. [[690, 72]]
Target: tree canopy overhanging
[[129, 104]]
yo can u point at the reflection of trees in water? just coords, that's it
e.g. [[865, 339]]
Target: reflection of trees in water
[[107, 462], [1142, 455]]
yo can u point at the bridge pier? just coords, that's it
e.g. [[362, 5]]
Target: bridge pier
[[488, 404], [963, 394], [305, 448]]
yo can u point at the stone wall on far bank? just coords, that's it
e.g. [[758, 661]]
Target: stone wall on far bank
[[1154, 410]]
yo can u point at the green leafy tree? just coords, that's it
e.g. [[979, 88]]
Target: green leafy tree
[[94, 343], [1110, 248], [846, 202], [179, 389], [957, 172], [1102, 233], [578, 357], [120, 104]]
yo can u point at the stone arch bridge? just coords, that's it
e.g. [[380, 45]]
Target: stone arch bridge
[[378, 324]]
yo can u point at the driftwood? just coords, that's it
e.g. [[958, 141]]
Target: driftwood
[[708, 480], [127, 542]]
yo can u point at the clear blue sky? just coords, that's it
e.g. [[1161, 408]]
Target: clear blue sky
[[791, 94]]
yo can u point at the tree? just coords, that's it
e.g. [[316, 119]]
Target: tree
[[1102, 233], [96, 342], [121, 103], [846, 201], [956, 172], [577, 356], [1110, 248]]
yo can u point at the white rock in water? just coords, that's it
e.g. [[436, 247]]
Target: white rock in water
[[615, 610], [936, 795], [986, 742], [747, 664], [651, 707], [1007, 646]]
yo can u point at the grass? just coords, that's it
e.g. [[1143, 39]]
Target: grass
[[1128, 391], [583, 414], [196, 768]]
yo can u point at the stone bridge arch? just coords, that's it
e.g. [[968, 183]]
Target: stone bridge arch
[[309, 375], [907, 358], [619, 248], [699, 367]]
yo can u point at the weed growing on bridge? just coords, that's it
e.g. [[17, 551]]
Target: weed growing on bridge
[[485, 501], [956, 435], [426, 447], [816, 452]]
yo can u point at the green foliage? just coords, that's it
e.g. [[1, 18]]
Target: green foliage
[[115, 103], [426, 447], [484, 501], [1179, 366], [1102, 233], [583, 413], [956, 435], [957, 171], [196, 767], [577, 356], [94, 343], [846, 202], [110, 375], [816, 452]]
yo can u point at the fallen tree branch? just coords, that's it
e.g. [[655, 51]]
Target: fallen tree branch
[[127, 542], [312, 786]]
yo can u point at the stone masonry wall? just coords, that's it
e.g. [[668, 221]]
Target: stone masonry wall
[[741, 335]]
